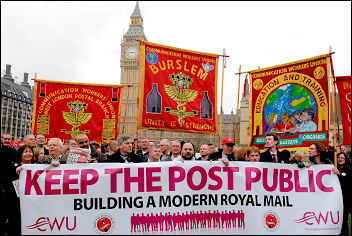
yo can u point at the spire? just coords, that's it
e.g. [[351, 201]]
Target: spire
[[136, 24], [136, 12]]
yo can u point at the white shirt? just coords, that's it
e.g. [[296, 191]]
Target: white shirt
[[176, 158]]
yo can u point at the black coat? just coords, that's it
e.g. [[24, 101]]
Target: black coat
[[144, 156], [116, 157], [217, 155], [281, 156]]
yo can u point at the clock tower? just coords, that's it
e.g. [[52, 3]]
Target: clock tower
[[129, 70]]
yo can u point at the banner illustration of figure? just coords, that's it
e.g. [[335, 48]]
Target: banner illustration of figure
[[291, 100]]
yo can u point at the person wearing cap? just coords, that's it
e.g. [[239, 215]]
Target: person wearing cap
[[226, 151], [272, 154], [95, 153]]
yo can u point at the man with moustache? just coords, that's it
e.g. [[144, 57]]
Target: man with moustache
[[83, 142], [187, 152]]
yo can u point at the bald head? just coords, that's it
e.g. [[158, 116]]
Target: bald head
[[82, 141]]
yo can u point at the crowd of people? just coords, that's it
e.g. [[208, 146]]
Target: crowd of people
[[33, 151]]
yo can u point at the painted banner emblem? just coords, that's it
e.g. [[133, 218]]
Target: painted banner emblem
[[291, 100], [65, 110], [179, 90]]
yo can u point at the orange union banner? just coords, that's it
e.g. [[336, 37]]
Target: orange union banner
[[291, 100], [179, 90], [65, 110]]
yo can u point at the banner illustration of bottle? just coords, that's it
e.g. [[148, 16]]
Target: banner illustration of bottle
[[115, 94], [154, 100], [206, 107], [42, 89]]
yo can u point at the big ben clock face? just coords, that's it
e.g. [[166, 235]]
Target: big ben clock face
[[131, 52]]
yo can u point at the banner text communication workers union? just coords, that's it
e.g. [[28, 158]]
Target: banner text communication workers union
[[65, 110], [291, 100], [179, 90], [180, 198]]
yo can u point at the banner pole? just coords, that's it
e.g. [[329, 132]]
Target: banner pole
[[124, 118], [333, 108], [238, 99], [139, 85], [222, 88], [335, 99]]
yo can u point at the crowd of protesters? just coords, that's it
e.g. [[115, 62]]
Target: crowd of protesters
[[121, 150]]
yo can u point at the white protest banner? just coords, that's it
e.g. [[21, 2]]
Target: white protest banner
[[193, 197]]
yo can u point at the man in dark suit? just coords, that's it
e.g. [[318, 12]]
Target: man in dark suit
[[125, 153], [272, 154]]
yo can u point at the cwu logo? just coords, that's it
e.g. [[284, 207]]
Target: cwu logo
[[311, 218], [42, 224]]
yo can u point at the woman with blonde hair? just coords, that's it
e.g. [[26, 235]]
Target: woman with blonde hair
[[241, 154], [272, 122], [38, 154]]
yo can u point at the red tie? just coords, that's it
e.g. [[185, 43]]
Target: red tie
[[275, 161]]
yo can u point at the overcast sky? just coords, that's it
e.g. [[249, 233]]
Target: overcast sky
[[81, 41]]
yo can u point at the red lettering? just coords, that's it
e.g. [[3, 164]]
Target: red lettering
[[151, 179], [319, 180], [84, 179], [250, 179], [215, 177], [33, 182], [172, 179], [298, 187], [49, 181], [203, 178], [113, 178], [67, 181], [286, 179], [265, 180], [139, 179], [230, 171]]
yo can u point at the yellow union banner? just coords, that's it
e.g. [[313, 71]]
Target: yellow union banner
[[291, 100]]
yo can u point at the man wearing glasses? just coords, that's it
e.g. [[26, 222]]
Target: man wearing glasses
[[83, 142]]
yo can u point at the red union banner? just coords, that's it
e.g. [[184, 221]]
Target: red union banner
[[179, 90], [344, 87], [65, 110], [291, 100]]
